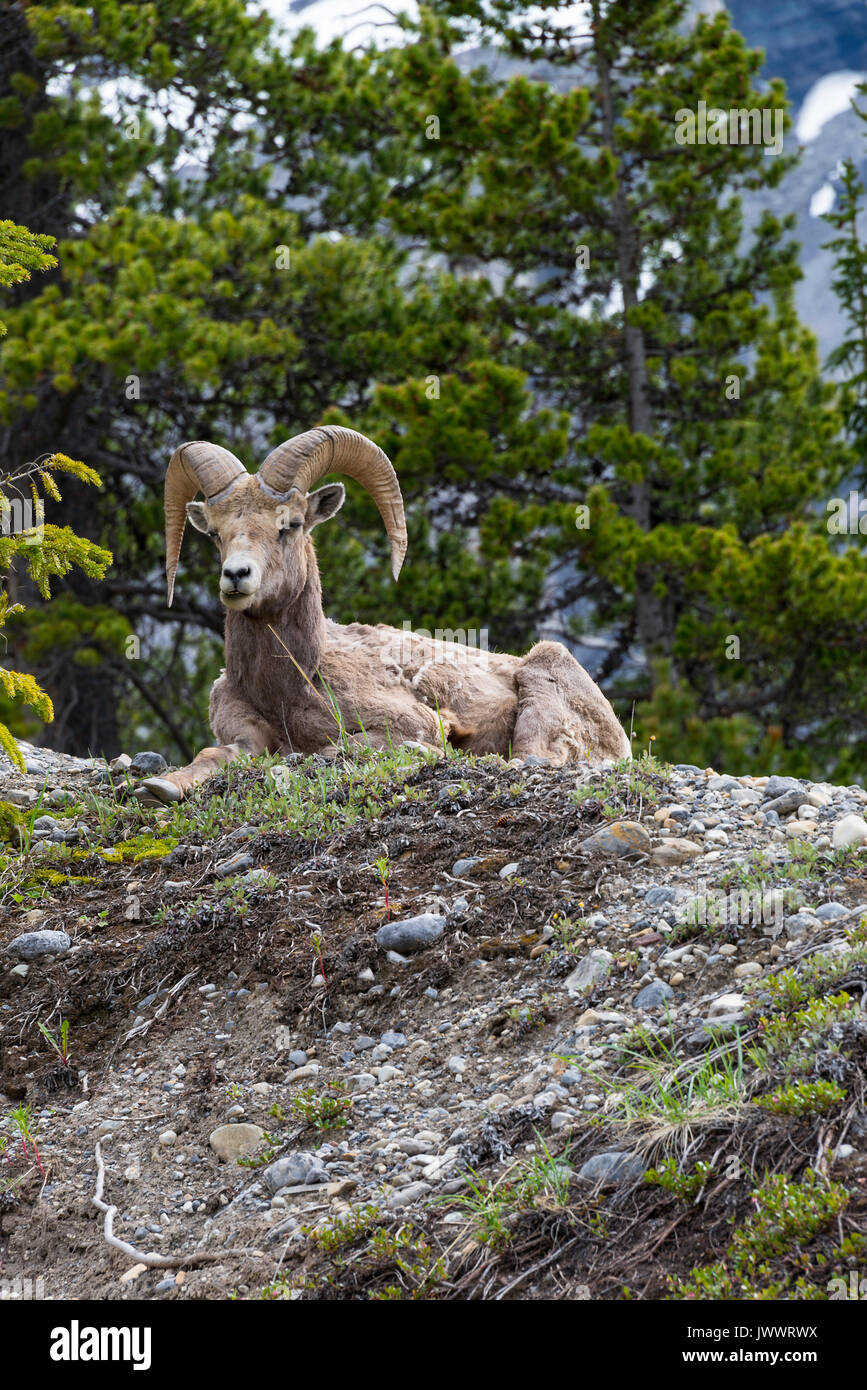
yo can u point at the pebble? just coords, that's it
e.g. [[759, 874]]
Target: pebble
[[233, 865], [462, 867], [294, 1169], [653, 995], [32, 944], [621, 838], [612, 1168], [412, 934], [749, 968], [148, 765], [851, 830], [826, 912], [675, 851], [413, 1192], [589, 971], [231, 1142]]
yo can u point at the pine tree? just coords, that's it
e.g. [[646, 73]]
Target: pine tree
[[604, 412], [47, 551]]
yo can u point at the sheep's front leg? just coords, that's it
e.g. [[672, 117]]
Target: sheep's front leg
[[233, 720]]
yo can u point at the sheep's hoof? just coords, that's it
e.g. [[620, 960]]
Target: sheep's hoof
[[157, 791]]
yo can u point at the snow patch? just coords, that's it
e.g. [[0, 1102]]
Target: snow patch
[[822, 200], [826, 99]]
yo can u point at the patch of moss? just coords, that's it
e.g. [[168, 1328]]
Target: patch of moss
[[12, 824], [138, 848], [55, 879]]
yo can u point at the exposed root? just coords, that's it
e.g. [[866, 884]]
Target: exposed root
[[149, 1258]]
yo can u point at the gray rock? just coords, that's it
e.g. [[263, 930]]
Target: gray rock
[[589, 971], [394, 1039], [362, 1081], [233, 865], [465, 866], [799, 924], [298, 1058], [653, 995], [46, 825], [656, 896], [403, 1196], [19, 796], [148, 765], [827, 911], [723, 784], [413, 934], [788, 803], [294, 1169], [39, 943], [778, 786], [609, 1169], [851, 830]]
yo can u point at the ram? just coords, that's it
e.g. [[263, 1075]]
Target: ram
[[296, 681]]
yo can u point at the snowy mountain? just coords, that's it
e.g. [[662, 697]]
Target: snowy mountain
[[819, 47]]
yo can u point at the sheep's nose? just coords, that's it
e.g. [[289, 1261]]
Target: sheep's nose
[[234, 576]]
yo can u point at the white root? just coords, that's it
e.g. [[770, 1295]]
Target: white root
[[150, 1259]]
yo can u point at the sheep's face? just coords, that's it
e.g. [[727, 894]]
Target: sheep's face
[[264, 554]]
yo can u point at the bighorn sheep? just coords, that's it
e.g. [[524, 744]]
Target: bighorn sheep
[[288, 666]]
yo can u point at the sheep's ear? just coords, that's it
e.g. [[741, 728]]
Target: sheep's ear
[[197, 516], [323, 503]]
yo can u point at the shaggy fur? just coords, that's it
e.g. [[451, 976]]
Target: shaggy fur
[[390, 687]]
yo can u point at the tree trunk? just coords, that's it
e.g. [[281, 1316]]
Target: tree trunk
[[654, 620]]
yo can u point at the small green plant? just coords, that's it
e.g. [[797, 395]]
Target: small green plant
[[685, 1186], [267, 1156], [234, 1090], [22, 1119], [494, 1207], [61, 1045], [383, 868], [626, 788], [277, 1113], [787, 1215], [658, 1091], [803, 1098], [323, 1112], [316, 942]]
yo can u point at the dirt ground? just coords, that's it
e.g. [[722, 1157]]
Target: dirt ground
[[185, 998]]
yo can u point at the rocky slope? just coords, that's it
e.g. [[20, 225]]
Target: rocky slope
[[418, 1027]]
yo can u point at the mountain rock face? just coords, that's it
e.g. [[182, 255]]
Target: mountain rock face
[[819, 48], [804, 39]]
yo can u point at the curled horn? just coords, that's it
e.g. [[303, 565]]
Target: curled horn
[[194, 467], [302, 461]]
